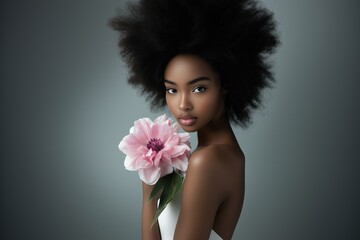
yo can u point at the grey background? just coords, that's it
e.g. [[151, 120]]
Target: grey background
[[65, 106]]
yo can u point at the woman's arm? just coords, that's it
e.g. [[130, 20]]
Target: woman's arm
[[148, 213]]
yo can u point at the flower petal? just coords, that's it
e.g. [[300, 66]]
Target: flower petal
[[131, 129], [184, 137], [157, 159], [175, 127], [161, 131], [142, 128], [136, 163], [178, 150], [180, 162], [166, 168], [130, 163], [160, 119], [129, 144], [150, 175]]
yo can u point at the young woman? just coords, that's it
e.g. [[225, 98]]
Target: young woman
[[205, 60]]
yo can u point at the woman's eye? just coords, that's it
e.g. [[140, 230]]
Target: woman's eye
[[199, 89], [171, 90]]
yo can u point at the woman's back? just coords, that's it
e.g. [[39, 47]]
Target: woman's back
[[213, 192]]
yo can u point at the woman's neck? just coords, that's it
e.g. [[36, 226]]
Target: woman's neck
[[217, 132]]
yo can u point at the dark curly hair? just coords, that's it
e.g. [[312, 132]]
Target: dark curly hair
[[234, 36]]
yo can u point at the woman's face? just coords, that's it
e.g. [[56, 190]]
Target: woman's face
[[193, 92]]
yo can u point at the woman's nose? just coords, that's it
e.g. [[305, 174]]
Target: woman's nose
[[185, 103]]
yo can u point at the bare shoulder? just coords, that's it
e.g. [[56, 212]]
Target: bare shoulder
[[217, 164], [216, 157]]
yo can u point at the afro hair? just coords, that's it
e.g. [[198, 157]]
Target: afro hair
[[234, 36]]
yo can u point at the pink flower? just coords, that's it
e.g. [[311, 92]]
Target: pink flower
[[154, 149]]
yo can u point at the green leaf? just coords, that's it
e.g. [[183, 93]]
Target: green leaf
[[171, 184], [157, 188]]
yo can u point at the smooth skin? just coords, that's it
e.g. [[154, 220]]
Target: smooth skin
[[213, 190]]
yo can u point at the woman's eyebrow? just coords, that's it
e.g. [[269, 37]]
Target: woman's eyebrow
[[190, 82]]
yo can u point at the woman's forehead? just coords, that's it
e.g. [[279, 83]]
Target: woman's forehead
[[188, 68]]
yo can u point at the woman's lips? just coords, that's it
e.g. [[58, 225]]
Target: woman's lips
[[187, 121]]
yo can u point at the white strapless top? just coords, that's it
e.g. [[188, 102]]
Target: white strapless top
[[168, 219]]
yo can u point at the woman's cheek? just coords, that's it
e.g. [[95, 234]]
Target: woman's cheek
[[171, 102], [211, 104]]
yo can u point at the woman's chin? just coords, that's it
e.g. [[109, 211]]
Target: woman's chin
[[189, 128]]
